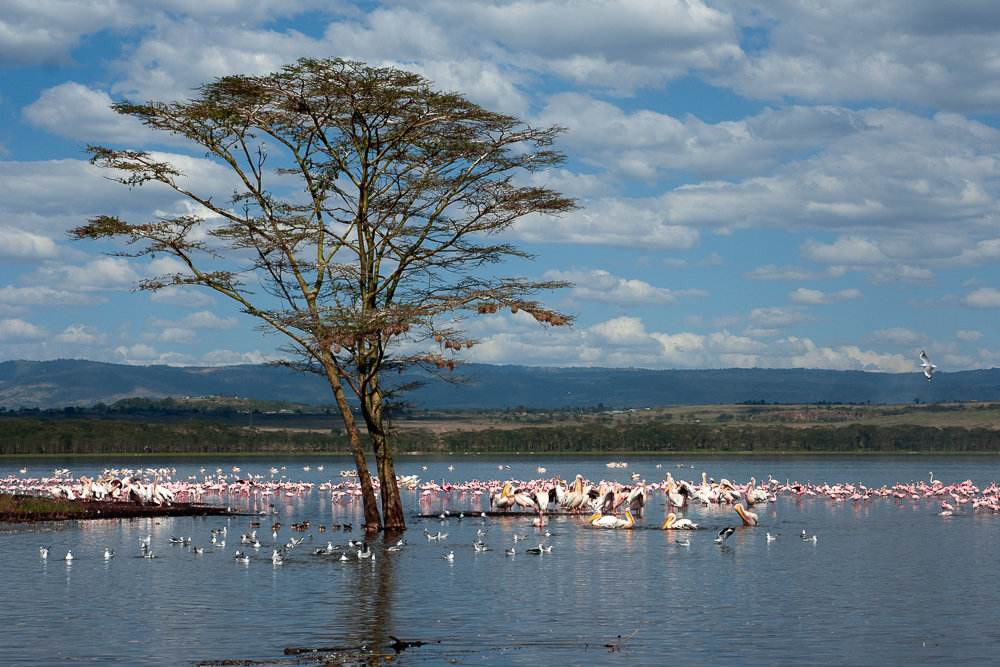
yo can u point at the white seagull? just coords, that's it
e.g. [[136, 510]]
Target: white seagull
[[927, 365]]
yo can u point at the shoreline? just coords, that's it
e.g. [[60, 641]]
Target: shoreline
[[24, 508]]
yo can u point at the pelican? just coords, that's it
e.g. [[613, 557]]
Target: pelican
[[636, 498], [524, 500], [503, 500], [674, 496], [575, 495], [673, 523], [927, 365], [749, 518], [611, 521]]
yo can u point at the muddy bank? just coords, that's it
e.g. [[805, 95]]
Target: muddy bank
[[22, 508]]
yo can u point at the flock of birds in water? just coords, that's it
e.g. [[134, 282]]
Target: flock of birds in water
[[604, 505], [609, 505]]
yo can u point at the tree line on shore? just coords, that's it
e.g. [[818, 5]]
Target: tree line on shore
[[26, 436]]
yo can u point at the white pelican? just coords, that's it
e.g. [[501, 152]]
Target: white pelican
[[749, 518], [611, 521], [636, 498], [674, 497], [927, 365], [524, 500], [673, 523], [503, 500]]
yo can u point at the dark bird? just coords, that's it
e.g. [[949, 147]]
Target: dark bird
[[725, 533]]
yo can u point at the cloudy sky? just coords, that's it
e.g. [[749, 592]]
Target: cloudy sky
[[762, 184]]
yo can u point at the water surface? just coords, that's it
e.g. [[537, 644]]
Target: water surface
[[886, 581]]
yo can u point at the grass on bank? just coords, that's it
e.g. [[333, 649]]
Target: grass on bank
[[12, 505]]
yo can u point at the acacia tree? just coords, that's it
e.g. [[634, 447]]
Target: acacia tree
[[363, 228]]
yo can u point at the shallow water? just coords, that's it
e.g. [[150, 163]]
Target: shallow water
[[885, 582]]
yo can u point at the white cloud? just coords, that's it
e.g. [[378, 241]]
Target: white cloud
[[17, 330], [775, 317], [850, 250], [602, 287], [72, 110], [610, 222], [984, 297], [42, 295], [17, 245], [106, 273], [811, 297], [923, 53], [189, 297], [201, 320], [771, 272], [81, 335]]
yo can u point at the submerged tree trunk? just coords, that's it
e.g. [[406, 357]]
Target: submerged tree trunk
[[392, 505], [372, 519]]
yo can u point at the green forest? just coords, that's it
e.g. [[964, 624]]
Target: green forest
[[29, 436]]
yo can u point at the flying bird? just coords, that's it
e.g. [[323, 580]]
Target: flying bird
[[927, 365], [724, 534]]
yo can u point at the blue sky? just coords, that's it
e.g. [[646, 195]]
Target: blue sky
[[762, 184]]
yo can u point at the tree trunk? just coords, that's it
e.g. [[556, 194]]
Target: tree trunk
[[392, 505], [372, 519]]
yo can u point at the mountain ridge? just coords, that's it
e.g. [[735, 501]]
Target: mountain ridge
[[82, 383]]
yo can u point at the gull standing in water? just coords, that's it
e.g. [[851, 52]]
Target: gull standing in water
[[927, 365]]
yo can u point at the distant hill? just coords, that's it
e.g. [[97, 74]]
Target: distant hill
[[72, 382]]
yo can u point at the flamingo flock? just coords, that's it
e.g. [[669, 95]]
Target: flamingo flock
[[537, 497], [603, 504]]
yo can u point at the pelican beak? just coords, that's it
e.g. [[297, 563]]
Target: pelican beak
[[670, 520], [593, 518]]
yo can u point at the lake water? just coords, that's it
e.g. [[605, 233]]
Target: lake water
[[887, 581]]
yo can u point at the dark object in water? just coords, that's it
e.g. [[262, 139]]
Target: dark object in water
[[399, 645]]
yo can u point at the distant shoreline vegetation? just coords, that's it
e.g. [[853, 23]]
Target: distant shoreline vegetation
[[146, 427]]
